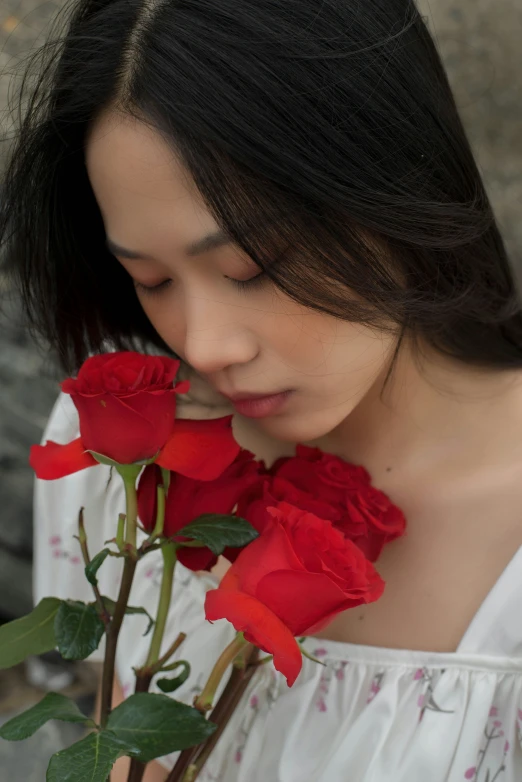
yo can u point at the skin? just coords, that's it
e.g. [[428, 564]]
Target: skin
[[254, 341], [444, 440]]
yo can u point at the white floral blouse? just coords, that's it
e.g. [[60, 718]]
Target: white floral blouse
[[368, 715]]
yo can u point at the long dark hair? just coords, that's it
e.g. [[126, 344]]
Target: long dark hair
[[323, 137]]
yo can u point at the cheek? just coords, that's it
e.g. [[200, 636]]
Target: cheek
[[167, 319], [323, 347]]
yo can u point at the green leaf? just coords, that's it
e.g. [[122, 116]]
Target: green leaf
[[53, 707], [158, 725], [89, 760], [78, 630], [218, 531], [104, 459], [94, 565], [110, 605], [31, 634], [169, 685]]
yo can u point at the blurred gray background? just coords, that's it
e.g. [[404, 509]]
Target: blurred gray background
[[480, 41]]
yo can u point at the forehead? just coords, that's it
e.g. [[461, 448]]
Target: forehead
[[139, 181]]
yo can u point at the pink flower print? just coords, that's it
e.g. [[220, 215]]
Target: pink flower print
[[75, 560], [126, 689], [319, 652], [520, 714], [493, 712], [57, 554], [55, 540], [421, 701], [501, 733], [497, 723], [149, 573], [339, 674], [470, 773], [419, 674], [321, 705], [254, 700], [506, 747], [238, 756]]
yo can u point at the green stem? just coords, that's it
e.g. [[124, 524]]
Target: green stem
[[160, 514], [205, 700], [239, 680], [120, 534], [112, 638], [129, 473], [170, 651], [169, 562], [82, 537], [191, 760], [144, 675], [132, 511]]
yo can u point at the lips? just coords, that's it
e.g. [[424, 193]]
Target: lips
[[258, 405], [247, 396]]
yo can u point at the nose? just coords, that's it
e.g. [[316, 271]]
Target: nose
[[216, 336]]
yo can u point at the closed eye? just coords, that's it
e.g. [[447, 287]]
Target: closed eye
[[151, 290], [242, 285], [253, 282]]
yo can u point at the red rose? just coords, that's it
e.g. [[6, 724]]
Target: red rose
[[127, 405], [291, 581], [362, 513], [188, 498], [253, 503]]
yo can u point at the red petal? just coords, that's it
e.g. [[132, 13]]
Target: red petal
[[147, 496], [200, 449], [272, 550], [196, 558], [303, 600], [52, 460], [261, 626]]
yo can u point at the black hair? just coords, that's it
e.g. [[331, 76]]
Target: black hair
[[323, 137]]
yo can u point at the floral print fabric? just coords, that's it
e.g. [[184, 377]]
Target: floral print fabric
[[366, 714]]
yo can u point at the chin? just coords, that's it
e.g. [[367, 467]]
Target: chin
[[300, 429]]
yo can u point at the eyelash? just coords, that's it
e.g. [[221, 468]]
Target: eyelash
[[242, 285], [152, 290], [251, 284]]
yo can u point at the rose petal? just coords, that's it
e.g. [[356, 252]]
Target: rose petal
[[272, 550], [261, 627], [200, 449], [52, 460], [147, 496], [306, 600], [197, 558]]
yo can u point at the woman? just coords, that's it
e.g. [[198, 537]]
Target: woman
[[282, 194]]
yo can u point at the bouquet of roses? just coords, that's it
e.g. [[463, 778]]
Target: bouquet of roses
[[301, 538]]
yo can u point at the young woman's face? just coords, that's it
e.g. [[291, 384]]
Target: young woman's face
[[213, 309]]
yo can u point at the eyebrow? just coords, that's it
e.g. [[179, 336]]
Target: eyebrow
[[209, 242]]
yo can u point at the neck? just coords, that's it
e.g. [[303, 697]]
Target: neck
[[430, 418]]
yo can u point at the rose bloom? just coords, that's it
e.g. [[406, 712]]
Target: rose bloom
[[291, 581], [188, 498], [126, 403], [361, 512]]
